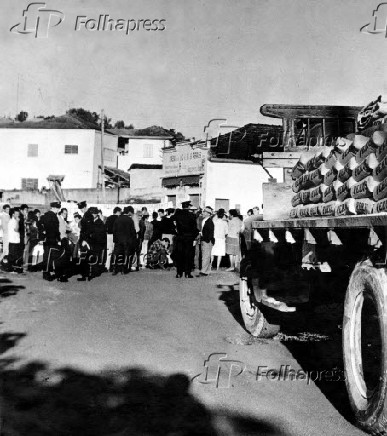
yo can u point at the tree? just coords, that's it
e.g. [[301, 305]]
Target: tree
[[22, 116], [121, 125], [177, 136], [85, 115]]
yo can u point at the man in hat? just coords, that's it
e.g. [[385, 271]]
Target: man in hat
[[124, 238], [82, 206], [51, 241], [186, 233], [207, 241]]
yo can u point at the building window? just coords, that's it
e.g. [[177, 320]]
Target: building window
[[148, 150], [29, 184], [71, 149], [222, 203], [172, 198], [32, 150], [195, 200]]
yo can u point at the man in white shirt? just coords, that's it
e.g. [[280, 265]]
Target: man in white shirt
[[4, 220], [15, 256], [207, 241]]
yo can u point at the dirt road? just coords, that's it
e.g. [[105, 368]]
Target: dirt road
[[149, 354]]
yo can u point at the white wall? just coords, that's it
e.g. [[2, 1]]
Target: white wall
[[136, 149], [240, 183], [78, 169]]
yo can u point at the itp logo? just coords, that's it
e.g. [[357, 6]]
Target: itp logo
[[219, 371], [217, 127], [379, 21], [38, 20]]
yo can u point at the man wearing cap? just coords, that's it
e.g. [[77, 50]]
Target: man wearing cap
[[207, 241], [124, 237], [51, 241], [187, 232]]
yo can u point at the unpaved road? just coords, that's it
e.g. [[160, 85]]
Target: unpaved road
[[126, 355]]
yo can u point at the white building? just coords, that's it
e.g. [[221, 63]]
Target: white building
[[141, 146], [50, 148]]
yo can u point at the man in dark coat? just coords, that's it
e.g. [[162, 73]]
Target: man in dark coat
[[51, 239], [93, 234], [110, 220], [187, 232], [207, 240], [125, 240]]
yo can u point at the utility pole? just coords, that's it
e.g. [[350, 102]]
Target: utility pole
[[102, 163], [17, 95]]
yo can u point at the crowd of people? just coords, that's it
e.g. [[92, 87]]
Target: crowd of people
[[89, 244]]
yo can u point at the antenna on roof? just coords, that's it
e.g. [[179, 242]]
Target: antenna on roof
[[17, 94]]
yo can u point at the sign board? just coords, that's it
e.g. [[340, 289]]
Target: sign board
[[184, 160]]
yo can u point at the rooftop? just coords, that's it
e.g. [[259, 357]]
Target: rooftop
[[61, 122], [153, 131]]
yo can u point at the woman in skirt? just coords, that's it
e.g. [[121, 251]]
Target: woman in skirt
[[232, 241], [220, 233]]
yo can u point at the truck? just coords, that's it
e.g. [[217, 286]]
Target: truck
[[346, 253]]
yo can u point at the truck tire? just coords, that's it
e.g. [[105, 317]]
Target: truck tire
[[254, 320], [364, 346]]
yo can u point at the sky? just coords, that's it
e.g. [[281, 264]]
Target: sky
[[214, 59]]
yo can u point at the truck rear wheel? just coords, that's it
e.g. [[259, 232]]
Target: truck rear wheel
[[254, 320], [364, 345]]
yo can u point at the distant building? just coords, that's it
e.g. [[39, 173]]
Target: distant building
[[61, 146], [141, 146]]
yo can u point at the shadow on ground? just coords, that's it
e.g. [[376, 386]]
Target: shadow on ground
[[39, 401], [7, 289], [314, 337], [129, 402]]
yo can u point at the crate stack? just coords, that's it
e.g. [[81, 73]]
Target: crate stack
[[348, 179]]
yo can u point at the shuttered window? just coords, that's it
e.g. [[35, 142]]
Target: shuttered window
[[71, 149], [29, 184], [32, 150]]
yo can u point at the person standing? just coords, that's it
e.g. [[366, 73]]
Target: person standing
[[15, 255], [247, 227], [168, 228], [4, 220], [187, 232], [110, 220], [124, 238], [220, 233], [147, 235], [23, 224], [156, 234], [232, 240], [207, 241], [51, 234]]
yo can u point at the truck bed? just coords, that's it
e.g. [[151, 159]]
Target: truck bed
[[354, 221]]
